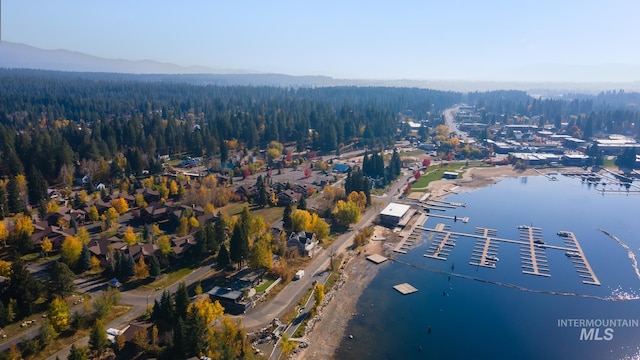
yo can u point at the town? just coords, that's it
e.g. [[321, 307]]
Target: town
[[214, 236]]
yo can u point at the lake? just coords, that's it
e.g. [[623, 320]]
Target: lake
[[473, 317]]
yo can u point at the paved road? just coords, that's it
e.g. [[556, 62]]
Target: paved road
[[259, 317], [450, 121]]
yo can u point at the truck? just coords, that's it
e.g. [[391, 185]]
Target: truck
[[299, 275]]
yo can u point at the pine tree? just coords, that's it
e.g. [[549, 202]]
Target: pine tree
[[23, 287], [84, 263], [302, 204], [223, 257], [182, 300], [98, 341], [14, 200], [286, 217], [239, 244]]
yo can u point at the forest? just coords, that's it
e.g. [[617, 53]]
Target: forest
[[50, 122]]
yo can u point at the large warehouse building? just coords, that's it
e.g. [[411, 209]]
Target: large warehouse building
[[393, 214]]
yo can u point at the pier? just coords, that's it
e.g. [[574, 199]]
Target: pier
[[532, 249], [442, 245], [534, 259], [578, 259], [454, 218], [485, 252], [409, 237]]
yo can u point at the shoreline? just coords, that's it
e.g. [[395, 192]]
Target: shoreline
[[327, 330]]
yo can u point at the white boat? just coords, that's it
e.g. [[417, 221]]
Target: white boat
[[572, 254], [491, 258], [563, 233]]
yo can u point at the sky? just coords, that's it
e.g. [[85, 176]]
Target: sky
[[449, 39]]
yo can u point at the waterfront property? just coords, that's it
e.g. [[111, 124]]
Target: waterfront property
[[393, 214]]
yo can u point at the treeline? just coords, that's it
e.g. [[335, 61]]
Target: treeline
[[606, 113]]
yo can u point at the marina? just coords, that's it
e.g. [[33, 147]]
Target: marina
[[532, 249]]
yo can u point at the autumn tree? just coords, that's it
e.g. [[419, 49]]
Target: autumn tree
[[4, 233], [93, 214], [260, 256], [58, 314], [129, 236], [318, 293], [346, 213], [120, 205], [209, 310], [300, 220], [83, 235], [70, 251], [140, 269], [318, 226], [359, 198]]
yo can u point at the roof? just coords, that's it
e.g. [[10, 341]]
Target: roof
[[341, 167], [395, 210]]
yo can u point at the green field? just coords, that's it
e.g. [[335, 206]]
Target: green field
[[435, 173]]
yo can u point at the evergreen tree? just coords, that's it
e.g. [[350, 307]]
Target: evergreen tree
[[84, 263], [61, 283], [23, 287], [223, 257], [98, 341], [182, 300], [261, 197], [4, 205], [14, 200], [286, 217], [197, 341], [239, 244], [220, 230], [302, 204], [37, 186], [154, 266], [77, 353]]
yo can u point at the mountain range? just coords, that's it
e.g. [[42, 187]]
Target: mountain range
[[21, 56]]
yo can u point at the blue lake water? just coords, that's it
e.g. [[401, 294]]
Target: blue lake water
[[471, 319]]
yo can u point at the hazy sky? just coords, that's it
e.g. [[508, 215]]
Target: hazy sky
[[465, 39]]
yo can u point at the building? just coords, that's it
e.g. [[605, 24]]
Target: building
[[393, 213]]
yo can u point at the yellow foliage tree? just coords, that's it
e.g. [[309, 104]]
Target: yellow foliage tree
[[346, 212], [129, 236], [113, 215], [95, 264], [24, 225], [120, 205], [141, 269], [209, 208], [4, 233], [83, 235], [260, 256], [5, 268], [148, 182], [193, 222], [300, 220], [58, 314], [318, 226], [164, 245], [359, 198], [82, 196], [183, 227], [70, 251], [52, 206], [93, 213], [46, 245], [318, 293], [209, 311], [140, 200], [173, 187]]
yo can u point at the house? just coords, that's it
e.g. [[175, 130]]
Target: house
[[288, 197], [155, 212], [303, 241], [149, 195], [181, 245], [55, 233], [246, 191], [304, 189], [103, 248], [140, 249]]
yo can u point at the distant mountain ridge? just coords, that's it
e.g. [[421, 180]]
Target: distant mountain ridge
[[14, 55], [21, 56]]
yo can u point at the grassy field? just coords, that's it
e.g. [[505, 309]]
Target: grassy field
[[167, 279], [267, 282]]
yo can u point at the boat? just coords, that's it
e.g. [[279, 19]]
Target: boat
[[563, 233], [450, 243], [491, 258], [523, 227], [572, 254], [538, 241]]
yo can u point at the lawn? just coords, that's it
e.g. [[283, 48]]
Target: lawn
[[265, 284], [167, 279], [436, 172], [269, 214]]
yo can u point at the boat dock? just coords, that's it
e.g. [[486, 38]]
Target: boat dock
[[532, 249], [454, 218], [450, 203], [442, 244], [410, 237], [485, 251], [578, 259], [405, 288], [534, 259]]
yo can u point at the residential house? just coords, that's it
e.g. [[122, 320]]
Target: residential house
[[288, 197], [302, 241]]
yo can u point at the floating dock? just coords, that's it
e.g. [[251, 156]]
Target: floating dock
[[405, 288], [485, 251], [454, 218], [376, 258], [410, 237], [578, 259], [532, 254], [442, 244]]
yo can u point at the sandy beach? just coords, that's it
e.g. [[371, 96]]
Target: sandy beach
[[327, 330]]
